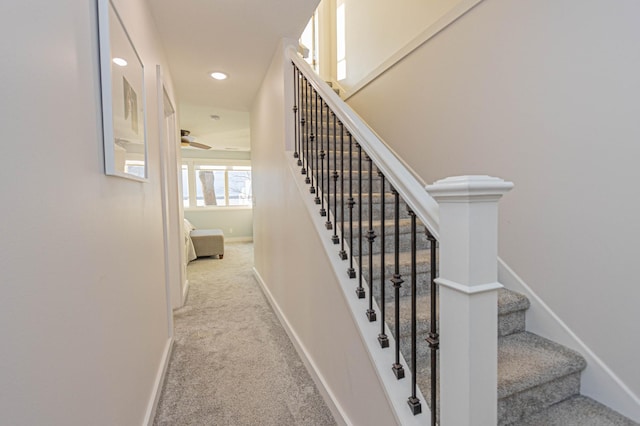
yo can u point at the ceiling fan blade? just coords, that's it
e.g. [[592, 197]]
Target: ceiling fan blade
[[199, 145], [187, 140]]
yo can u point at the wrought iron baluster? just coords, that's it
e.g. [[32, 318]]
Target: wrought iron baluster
[[382, 337], [335, 176], [305, 129], [343, 253], [295, 110], [351, 271], [316, 171], [360, 289], [310, 136], [300, 111], [326, 191], [313, 166], [321, 140], [413, 401], [434, 339], [371, 236], [397, 281]]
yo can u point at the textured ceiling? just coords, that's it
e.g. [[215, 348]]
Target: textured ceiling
[[238, 37]]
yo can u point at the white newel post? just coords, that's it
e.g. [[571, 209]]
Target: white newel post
[[468, 238]]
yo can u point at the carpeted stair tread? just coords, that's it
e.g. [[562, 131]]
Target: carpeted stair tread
[[512, 308], [422, 265], [375, 187], [422, 243], [375, 199], [509, 301], [404, 227], [324, 125], [423, 316], [423, 284], [423, 303], [526, 360], [355, 174], [376, 203], [577, 411], [345, 156], [329, 135], [344, 159], [329, 167]]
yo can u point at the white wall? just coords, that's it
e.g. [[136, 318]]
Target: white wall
[[236, 223], [383, 27], [544, 94], [83, 311], [192, 153], [294, 266]]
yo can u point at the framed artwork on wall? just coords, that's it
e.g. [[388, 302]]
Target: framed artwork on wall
[[123, 98]]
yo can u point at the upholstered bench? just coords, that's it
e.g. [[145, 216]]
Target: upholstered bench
[[208, 242]]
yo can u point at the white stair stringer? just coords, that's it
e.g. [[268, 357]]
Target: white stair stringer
[[397, 390]]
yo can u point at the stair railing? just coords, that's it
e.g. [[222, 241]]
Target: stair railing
[[463, 209]]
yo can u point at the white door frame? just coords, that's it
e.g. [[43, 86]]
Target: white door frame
[[171, 218]]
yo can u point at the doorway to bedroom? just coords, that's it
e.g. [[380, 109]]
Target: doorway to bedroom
[[215, 170], [215, 176]]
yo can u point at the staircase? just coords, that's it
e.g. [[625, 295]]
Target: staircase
[[538, 380]]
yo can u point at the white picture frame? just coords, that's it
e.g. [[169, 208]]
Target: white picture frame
[[124, 121]]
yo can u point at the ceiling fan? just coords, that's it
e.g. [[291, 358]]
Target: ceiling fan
[[186, 140]]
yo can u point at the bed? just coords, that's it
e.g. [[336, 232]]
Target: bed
[[189, 249]]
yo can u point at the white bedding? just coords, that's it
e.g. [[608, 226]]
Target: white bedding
[[189, 249]]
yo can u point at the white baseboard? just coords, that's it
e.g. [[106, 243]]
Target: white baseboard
[[238, 239], [157, 386], [598, 380], [334, 405]]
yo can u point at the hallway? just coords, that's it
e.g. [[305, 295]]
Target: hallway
[[232, 362]]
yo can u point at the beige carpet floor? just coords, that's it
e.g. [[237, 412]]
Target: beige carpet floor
[[232, 362]]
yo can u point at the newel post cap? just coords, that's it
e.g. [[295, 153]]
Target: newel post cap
[[469, 188]]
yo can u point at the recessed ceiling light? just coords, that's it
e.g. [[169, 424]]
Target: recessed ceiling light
[[219, 75], [120, 61]]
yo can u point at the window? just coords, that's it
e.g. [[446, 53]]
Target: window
[[185, 185], [239, 186], [211, 184], [310, 39]]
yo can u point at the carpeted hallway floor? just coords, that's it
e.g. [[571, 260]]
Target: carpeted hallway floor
[[232, 362]]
